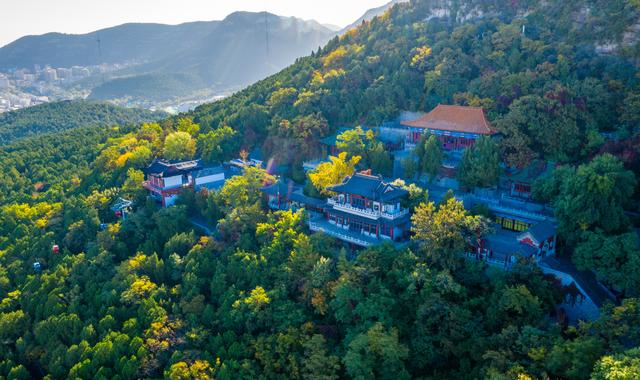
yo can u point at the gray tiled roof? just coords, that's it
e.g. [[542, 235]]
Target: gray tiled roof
[[298, 196], [282, 188], [371, 187], [505, 243], [542, 231], [164, 168], [209, 171], [332, 139]]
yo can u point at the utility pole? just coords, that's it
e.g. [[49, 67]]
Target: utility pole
[[99, 41], [266, 26]]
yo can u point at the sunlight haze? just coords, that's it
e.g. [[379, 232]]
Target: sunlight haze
[[82, 16]]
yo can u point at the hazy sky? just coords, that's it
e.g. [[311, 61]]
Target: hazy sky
[[24, 17]]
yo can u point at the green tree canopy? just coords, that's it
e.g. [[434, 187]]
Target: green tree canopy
[[376, 353], [333, 172], [430, 156], [594, 196], [179, 146], [353, 142], [624, 366], [444, 232], [217, 145], [480, 165], [614, 258]]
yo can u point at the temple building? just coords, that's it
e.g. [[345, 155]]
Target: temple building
[[287, 195], [505, 247], [542, 237], [518, 183], [165, 180], [457, 127], [330, 143], [365, 211]]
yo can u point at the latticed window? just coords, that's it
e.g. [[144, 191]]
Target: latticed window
[[520, 226]]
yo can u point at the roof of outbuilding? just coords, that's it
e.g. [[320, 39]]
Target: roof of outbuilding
[[368, 186], [256, 154], [281, 188], [538, 168], [289, 190], [333, 138], [541, 231], [209, 171], [298, 196], [164, 168], [454, 119]]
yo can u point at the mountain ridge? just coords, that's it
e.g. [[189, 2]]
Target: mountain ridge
[[221, 55]]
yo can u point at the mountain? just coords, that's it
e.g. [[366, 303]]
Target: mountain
[[172, 60], [503, 55], [143, 294], [371, 14], [125, 43], [333, 27], [61, 116]]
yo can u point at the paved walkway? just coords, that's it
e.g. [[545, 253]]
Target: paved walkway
[[203, 225], [586, 279]]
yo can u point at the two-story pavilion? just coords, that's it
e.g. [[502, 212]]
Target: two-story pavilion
[[365, 211], [165, 180], [457, 127]]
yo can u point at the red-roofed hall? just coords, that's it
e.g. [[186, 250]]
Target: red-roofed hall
[[457, 127]]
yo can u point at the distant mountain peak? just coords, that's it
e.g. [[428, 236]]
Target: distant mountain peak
[[372, 13]]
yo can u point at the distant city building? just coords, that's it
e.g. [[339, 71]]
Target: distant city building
[[50, 75], [19, 74], [64, 73], [80, 72]]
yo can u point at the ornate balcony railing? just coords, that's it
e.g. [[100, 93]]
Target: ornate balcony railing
[[358, 211], [394, 215], [151, 187], [367, 213], [317, 227]]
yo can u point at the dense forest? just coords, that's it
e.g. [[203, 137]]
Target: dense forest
[[154, 297], [60, 116]]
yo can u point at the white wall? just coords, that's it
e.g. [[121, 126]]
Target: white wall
[[173, 181], [210, 179]]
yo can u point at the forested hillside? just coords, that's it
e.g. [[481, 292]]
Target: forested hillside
[[152, 297], [60, 116], [541, 76]]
